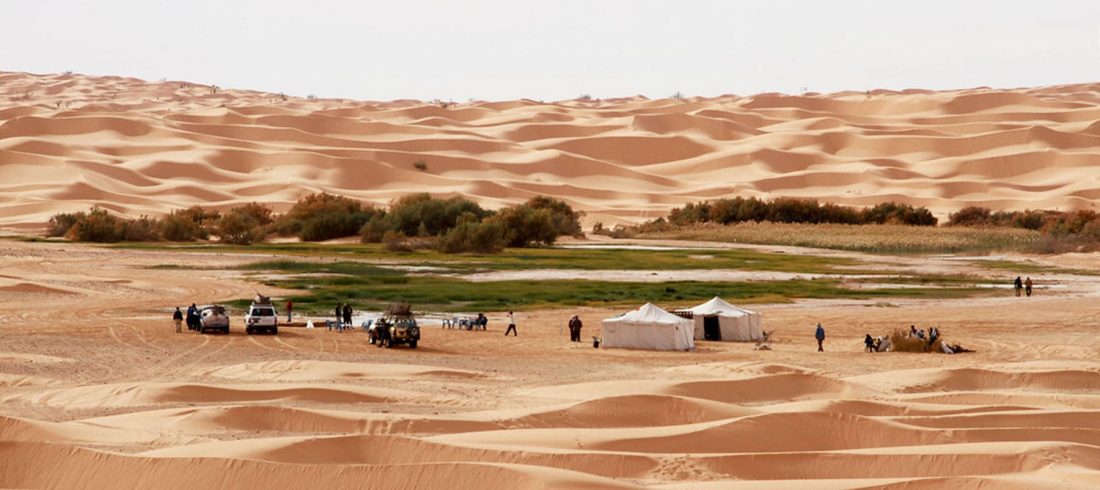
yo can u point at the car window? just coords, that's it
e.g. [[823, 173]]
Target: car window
[[263, 312]]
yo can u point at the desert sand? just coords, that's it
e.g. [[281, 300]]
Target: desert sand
[[97, 390], [70, 141]]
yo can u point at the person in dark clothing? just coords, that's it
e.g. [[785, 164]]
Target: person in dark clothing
[[482, 321], [177, 317], [820, 336], [339, 315], [289, 310], [577, 328], [1019, 285], [192, 317], [511, 325], [869, 342], [1027, 286], [347, 314]]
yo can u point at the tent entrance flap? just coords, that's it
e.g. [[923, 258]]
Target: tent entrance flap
[[712, 329]]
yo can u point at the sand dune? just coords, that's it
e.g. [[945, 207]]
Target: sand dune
[[141, 147]]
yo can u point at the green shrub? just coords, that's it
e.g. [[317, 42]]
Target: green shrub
[[324, 216], [373, 230], [470, 235], [566, 221]]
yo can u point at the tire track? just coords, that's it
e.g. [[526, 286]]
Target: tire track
[[281, 341], [268, 347], [114, 335]]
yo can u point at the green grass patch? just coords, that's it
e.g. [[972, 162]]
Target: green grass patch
[[543, 258], [368, 286]]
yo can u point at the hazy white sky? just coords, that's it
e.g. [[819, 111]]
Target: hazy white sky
[[552, 50]]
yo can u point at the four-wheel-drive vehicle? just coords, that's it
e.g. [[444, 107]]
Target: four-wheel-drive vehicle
[[398, 326], [213, 318], [261, 317]]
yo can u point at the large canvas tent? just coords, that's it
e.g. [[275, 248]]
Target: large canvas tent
[[648, 327], [718, 320]]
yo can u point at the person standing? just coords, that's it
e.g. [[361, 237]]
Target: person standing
[[511, 325], [577, 330], [339, 315], [820, 336], [870, 343], [177, 317], [1027, 286], [347, 315], [1018, 285], [289, 310], [192, 317]]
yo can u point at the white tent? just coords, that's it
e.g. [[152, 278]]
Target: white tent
[[718, 320], [648, 327]]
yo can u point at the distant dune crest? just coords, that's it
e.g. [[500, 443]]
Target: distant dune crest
[[70, 141]]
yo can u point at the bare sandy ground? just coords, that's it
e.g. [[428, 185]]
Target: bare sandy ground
[[96, 390], [70, 141]]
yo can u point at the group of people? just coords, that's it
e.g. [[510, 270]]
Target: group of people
[[575, 325], [1022, 285], [343, 314], [194, 318]]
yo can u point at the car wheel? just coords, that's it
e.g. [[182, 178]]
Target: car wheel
[[248, 331], [412, 344], [274, 330]]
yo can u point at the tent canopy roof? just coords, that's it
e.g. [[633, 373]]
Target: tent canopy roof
[[649, 313], [719, 306]]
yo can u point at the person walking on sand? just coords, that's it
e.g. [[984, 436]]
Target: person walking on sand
[[289, 310], [870, 343], [177, 317], [1018, 285], [1027, 286], [820, 336], [511, 325]]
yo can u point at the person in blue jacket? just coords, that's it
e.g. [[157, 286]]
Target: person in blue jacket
[[820, 336]]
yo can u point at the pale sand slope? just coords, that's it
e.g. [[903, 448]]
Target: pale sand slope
[[136, 147], [99, 392]]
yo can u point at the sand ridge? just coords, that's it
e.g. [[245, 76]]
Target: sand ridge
[[70, 141]]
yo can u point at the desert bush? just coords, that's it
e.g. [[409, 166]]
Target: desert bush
[[970, 216], [98, 226], [471, 235], [423, 215], [324, 216], [565, 220], [142, 229], [244, 225], [373, 230], [898, 213], [524, 226], [61, 223], [793, 210], [185, 225]]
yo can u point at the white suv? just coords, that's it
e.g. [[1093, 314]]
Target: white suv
[[261, 317]]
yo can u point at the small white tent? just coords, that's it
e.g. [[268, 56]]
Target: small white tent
[[718, 320], [648, 327]]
